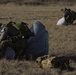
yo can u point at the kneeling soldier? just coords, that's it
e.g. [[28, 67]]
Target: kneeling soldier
[[17, 38]]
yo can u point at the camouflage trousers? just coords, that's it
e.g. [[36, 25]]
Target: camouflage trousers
[[3, 45], [18, 46]]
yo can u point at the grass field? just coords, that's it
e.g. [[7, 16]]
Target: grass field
[[62, 39]]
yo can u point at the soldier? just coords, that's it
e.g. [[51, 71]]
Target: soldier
[[69, 15], [14, 37], [61, 62]]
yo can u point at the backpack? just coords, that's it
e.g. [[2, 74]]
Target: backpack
[[19, 30]]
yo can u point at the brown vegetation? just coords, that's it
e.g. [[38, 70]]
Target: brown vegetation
[[38, 2], [62, 39]]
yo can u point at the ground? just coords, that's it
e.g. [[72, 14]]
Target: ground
[[62, 39]]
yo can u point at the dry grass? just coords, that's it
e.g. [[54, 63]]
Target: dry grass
[[62, 39], [38, 2]]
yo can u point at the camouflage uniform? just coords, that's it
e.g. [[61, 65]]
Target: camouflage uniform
[[15, 38], [69, 15], [47, 61]]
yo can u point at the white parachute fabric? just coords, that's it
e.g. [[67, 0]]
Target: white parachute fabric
[[62, 21], [38, 45]]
